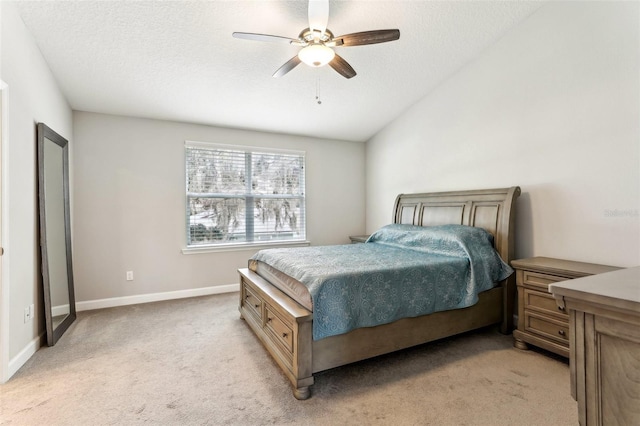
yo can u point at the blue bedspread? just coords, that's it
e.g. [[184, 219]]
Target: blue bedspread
[[401, 271]]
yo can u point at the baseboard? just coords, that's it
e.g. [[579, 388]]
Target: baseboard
[[154, 297], [27, 352]]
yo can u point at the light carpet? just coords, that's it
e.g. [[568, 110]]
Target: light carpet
[[195, 362]]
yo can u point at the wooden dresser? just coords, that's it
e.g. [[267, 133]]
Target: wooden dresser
[[604, 324], [540, 321]]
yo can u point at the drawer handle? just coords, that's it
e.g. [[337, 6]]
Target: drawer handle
[[257, 306], [561, 308], [561, 332], [269, 319]]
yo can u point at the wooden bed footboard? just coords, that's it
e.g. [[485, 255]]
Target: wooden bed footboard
[[283, 326]]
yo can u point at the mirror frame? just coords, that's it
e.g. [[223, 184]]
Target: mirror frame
[[45, 134]]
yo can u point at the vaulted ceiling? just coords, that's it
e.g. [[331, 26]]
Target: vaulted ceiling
[[177, 60]]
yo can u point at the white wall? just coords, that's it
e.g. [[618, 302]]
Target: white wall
[[552, 107], [33, 96], [130, 203]]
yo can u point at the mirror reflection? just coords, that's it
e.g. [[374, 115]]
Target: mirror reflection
[[55, 232], [55, 235]]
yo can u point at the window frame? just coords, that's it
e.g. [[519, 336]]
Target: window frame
[[247, 196]]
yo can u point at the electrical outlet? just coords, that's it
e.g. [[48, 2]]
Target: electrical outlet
[[26, 314], [129, 275], [31, 311]]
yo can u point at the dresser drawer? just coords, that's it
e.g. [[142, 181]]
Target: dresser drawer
[[282, 332], [252, 302], [557, 330], [540, 281], [543, 303]]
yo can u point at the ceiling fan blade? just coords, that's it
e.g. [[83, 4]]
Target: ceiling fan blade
[[288, 66], [264, 37], [342, 67], [367, 37], [318, 15]]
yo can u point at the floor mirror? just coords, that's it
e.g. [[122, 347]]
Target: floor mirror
[[55, 232]]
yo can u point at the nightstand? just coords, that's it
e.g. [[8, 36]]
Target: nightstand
[[540, 321], [355, 239]]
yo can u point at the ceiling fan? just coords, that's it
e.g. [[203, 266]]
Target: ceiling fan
[[317, 42]]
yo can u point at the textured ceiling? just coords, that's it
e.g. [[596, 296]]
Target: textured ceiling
[[176, 60]]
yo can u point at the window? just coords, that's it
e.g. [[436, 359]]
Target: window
[[240, 195]]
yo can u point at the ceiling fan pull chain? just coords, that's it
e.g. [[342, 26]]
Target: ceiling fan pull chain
[[318, 92]]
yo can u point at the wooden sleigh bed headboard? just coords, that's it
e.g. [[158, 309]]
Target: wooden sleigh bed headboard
[[487, 208]]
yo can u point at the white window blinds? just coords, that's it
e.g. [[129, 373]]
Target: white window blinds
[[243, 195]]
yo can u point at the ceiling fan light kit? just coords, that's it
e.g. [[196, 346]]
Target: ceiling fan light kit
[[317, 42], [316, 55]]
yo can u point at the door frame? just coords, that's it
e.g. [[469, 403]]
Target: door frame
[[4, 233]]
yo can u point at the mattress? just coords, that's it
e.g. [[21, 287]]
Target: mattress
[[401, 271]]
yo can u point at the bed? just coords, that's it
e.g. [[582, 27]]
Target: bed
[[280, 313]]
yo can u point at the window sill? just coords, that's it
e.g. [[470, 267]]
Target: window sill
[[243, 247]]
